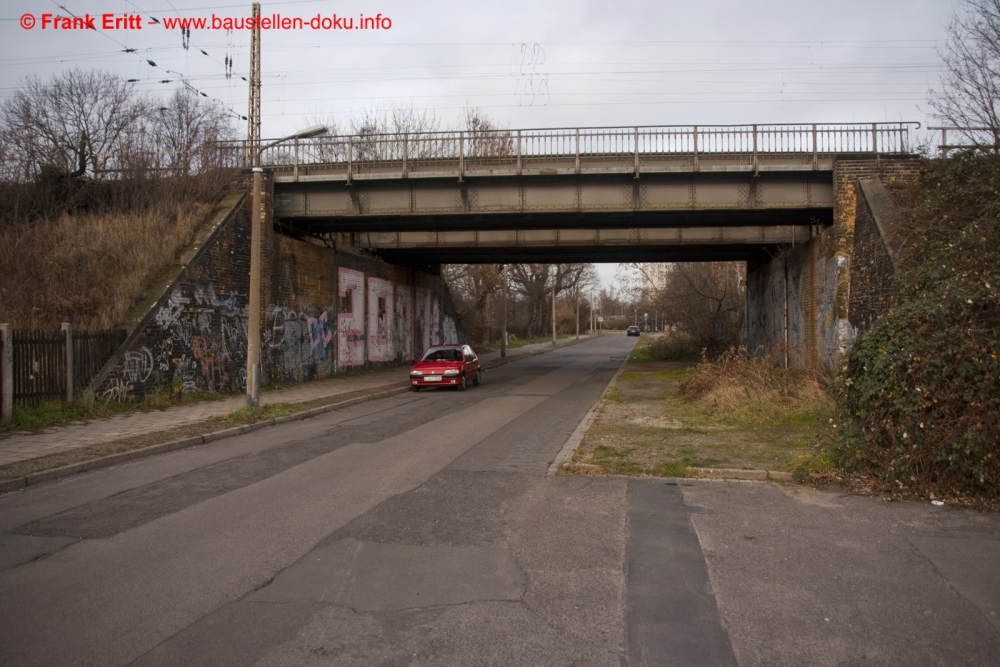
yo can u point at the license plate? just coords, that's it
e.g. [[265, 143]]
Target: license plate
[[432, 378]]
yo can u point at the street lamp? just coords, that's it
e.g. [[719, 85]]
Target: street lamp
[[256, 222]]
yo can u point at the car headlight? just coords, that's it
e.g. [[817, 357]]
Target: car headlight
[[416, 374], [451, 371]]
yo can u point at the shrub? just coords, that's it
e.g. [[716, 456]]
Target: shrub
[[919, 394]]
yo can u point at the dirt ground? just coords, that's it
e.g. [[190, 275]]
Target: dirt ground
[[644, 426]]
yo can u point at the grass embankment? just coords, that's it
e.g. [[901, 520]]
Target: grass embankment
[[668, 418], [919, 393], [93, 265]]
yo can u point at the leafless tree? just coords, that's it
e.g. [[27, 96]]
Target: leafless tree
[[705, 301], [533, 283], [970, 85], [70, 123], [186, 131], [475, 289]]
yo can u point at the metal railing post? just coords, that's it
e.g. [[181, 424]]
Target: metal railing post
[[519, 152], [296, 160], [578, 150], [67, 328], [695, 148], [350, 158], [636, 147], [461, 155], [755, 167], [815, 151], [7, 372], [406, 138]]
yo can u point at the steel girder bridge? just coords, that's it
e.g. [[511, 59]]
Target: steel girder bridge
[[666, 193]]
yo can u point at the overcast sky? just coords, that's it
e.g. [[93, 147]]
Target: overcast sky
[[526, 63]]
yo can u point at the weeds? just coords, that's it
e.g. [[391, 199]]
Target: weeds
[[664, 348], [742, 389], [250, 415], [57, 413]]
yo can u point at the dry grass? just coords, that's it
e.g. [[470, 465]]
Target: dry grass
[[93, 265], [741, 388], [663, 419]]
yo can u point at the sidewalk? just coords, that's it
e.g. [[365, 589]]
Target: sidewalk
[[20, 447]]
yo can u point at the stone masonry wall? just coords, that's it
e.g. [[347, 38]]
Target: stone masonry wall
[[819, 275]]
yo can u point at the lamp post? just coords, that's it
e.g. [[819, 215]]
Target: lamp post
[[503, 323], [256, 224]]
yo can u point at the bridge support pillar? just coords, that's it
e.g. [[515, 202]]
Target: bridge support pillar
[[798, 303]]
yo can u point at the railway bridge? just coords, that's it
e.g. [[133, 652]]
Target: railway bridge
[[782, 198]]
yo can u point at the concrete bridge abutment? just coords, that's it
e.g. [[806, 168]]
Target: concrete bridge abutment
[[326, 308], [799, 301]]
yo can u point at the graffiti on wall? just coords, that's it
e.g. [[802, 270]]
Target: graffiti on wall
[[423, 315], [435, 321], [198, 341], [299, 344], [380, 320], [449, 332], [351, 319], [404, 322]]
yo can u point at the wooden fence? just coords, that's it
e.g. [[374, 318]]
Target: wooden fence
[[40, 361]]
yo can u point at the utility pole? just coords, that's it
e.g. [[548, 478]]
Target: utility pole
[[253, 158], [554, 309], [503, 319], [578, 312]]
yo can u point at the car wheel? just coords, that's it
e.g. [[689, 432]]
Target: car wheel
[[414, 388], [461, 387], [479, 378]]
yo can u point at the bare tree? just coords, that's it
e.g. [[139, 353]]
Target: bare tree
[[705, 302], [187, 129], [970, 86], [475, 288], [71, 122], [533, 283]]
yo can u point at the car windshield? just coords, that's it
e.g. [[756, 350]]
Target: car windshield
[[443, 354]]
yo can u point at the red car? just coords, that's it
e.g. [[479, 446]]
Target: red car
[[447, 366]]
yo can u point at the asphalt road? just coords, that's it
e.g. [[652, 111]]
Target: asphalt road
[[422, 529]]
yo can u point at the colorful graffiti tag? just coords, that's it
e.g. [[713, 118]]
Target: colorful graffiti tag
[[351, 319]]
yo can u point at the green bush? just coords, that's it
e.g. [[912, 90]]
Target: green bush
[[920, 392]]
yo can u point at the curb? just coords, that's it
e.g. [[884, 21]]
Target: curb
[[735, 474], [163, 447]]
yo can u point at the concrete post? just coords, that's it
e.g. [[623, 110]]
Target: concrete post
[[67, 328], [253, 323], [7, 372], [503, 319]]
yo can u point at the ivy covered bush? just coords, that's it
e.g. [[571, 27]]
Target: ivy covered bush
[[919, 394]]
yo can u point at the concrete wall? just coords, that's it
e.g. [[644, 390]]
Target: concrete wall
[[815, 278], [324, 311]]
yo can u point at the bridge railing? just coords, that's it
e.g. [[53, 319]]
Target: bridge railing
[[528, 148]]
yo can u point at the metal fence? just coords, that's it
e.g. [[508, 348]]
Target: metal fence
[[40, 360], [360, 152]]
